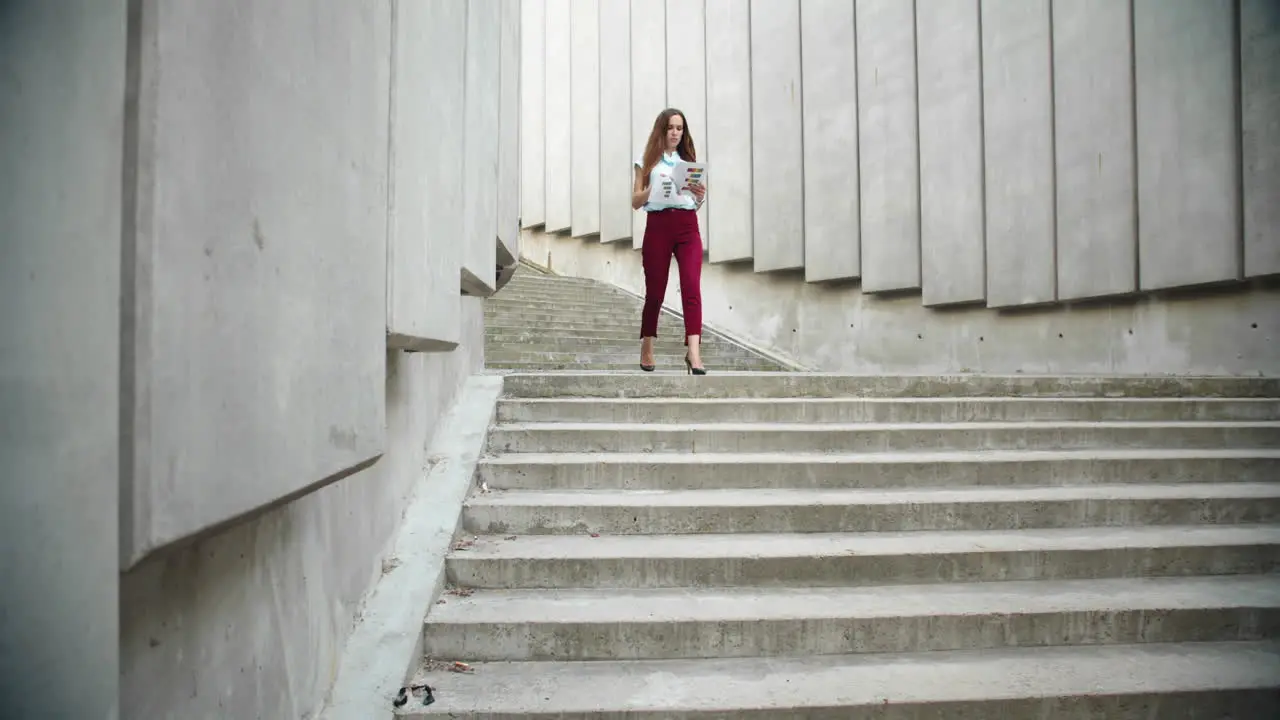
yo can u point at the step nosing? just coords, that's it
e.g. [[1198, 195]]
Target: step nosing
[[701, 605]]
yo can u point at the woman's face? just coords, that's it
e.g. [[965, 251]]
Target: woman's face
[[675, 131]]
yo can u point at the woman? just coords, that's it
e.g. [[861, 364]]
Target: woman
[[672, 229]]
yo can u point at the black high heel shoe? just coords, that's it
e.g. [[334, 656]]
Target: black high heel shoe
[[648, 368], [693, 370]]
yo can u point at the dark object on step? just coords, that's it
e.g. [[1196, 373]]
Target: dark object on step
[[402, 697]]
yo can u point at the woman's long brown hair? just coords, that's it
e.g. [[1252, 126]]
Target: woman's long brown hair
[[658, 143]]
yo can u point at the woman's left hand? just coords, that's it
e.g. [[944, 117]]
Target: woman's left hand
[[699, 191]]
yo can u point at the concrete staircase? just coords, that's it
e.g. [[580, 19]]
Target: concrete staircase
[[790, 546], [545, 322]]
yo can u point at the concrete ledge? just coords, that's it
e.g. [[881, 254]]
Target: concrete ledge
[[385, 645]]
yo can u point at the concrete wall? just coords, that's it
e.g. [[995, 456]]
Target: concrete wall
[[233, 315], [61, 119], [985, 159]]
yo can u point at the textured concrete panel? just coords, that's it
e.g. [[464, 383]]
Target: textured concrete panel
[[616, 151], [1189, 172], [533, 112], [509, 136], [557, 121], [952, 221], [830, 103], [1260, 115], [889, 171], [480, 168], [584, 116], [256, 325], [687, 78], [1093, 134], [63, 121], [424, 257], [1017, 98], [728, 134], [777, 142], [293, 583], [648, 82]]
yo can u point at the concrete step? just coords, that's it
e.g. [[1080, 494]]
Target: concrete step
[[577, 296], [1180, 681], [522, 279], [557, 291], [862, 559], [631, 350], [819, 385], [577, 624], [670, 333], [627, 327], [575, 343], [874, 437], [641, 512], [522, 354], [526, 302], [555, 317], [882, 410], [621, 368], [987, 468]]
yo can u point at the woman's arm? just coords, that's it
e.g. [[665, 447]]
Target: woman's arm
[[638, 194]]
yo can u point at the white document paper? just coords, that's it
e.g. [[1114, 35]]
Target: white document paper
[[670, 186]]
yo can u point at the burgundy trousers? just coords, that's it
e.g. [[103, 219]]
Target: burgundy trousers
[[667, 233]]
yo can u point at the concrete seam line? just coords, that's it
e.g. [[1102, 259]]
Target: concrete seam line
[[385, 645]]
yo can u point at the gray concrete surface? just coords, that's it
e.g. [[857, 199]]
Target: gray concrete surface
[[584, 117], [831, 385], [60, 284], [952, 214], [727, 137], [1018, 124], [838, 328], [1188, 123], [876, 437], [863, 558], [829, 100], [1001, 164], [603, 625], [884, 410], [717, 527], [1097, 214], [288, 277], [385, 642], [1260, 141], [508, 210], [888, 146], [1178, 682], [648, 83], [533, 114], [617, 153], [685, 43], [689, 512], [480, 144], [549, 323], [196, 318], [558, 109], [424, 207], [777, 155], [648, 471], [275, 599]]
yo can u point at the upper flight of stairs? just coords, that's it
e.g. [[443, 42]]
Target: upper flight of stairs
[[545, 322], [790, 546]]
